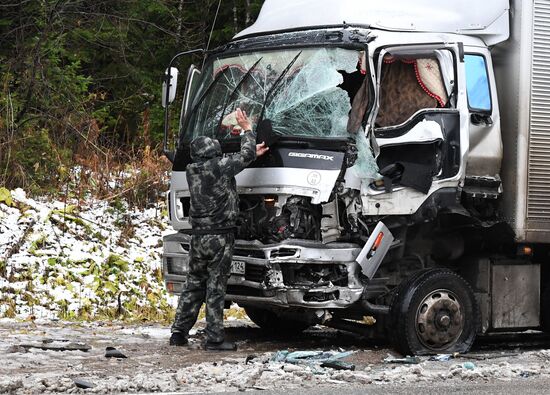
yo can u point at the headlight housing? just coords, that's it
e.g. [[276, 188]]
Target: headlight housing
[[178, 265]]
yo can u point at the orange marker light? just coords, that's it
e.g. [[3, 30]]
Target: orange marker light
[[378, 241], [376, 244]]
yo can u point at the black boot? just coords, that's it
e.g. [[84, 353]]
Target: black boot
[[178, 339], [221, 346]]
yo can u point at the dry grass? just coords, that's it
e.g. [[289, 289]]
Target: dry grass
[[138, 179]]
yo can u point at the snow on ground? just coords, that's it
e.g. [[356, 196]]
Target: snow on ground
[[70, 260], [65, 260]]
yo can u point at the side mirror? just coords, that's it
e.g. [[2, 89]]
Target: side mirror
[[169, 86]]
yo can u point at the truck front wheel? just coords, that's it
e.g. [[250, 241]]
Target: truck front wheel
[[271, 322], [434, 312], [545, 309]]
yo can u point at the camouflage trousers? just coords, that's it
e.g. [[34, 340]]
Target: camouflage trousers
[[209, 265]]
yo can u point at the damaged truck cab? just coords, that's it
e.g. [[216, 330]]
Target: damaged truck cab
[[386, 192]]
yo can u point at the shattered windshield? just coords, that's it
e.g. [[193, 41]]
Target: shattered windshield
[[303, 92]]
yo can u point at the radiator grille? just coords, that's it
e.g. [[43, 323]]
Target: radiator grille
[[538, 195]]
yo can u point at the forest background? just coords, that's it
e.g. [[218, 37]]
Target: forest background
[[80, 84]]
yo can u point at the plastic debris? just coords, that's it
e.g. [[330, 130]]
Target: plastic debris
[[249, 358], [469, 365], [338, 365], [111, 352], [441, 357], [406, 360], [297, 357], [482, 357], [55, 346], [83, 383]]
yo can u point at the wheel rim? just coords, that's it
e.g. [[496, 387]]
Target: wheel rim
[[439, 319]]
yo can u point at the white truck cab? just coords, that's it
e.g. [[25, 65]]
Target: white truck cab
[[393, 186]]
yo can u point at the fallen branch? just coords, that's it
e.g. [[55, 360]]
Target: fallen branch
[[15, 247]]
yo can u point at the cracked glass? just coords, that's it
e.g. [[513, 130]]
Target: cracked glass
[[298, 90]]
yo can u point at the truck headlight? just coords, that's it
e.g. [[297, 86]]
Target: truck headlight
[[177, 265]]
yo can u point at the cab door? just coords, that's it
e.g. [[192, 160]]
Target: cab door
[[485, 153]]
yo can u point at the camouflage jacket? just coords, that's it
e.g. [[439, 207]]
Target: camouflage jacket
[[212, 186]]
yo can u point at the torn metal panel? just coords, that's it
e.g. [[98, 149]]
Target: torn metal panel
[[422, 132]]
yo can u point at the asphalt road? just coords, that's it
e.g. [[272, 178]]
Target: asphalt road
[[524, 387], [31, 361]]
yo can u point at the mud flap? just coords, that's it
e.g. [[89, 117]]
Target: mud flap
[[374, 251]]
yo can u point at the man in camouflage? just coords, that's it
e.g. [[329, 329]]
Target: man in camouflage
[[213, 214]]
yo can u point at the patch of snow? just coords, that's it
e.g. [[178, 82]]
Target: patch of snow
[[57, 258]]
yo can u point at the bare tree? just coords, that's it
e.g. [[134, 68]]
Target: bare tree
[[247, 13]]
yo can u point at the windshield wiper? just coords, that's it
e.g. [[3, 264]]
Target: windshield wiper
[[275, 85], [208, 89], [228, 100]]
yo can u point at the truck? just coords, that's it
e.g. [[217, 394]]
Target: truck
[[406, 192]]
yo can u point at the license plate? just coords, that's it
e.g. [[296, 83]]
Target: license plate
[[237, 267]]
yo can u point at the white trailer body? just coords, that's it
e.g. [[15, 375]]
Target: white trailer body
[[521, 66]]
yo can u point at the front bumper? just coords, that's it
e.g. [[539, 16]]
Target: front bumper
[[294, 273]]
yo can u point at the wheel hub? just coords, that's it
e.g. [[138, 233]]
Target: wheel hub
[[439, 319], [443, 320]]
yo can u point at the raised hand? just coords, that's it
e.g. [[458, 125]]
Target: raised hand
[[261, 149], [243, 120]]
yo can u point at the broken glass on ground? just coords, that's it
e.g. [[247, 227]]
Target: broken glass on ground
[[309, 357]]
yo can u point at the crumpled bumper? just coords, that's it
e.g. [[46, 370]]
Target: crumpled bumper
[[293, 273]]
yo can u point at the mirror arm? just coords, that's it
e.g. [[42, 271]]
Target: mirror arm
[[477, 118], [167, 77]]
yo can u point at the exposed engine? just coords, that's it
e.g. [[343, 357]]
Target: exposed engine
[[271, 220]]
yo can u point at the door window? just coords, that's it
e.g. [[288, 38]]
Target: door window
[[477, 83]]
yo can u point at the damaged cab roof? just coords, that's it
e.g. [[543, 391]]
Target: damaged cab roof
[[488, 20]]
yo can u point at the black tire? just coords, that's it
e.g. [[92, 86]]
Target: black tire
[[434, 312], [270, 322], [545, 309]]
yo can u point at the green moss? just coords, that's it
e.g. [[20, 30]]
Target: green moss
[[68, 217], [99, 236], [37, 244], [114, 262], [117, 205], [5, 196], [11, 311]]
